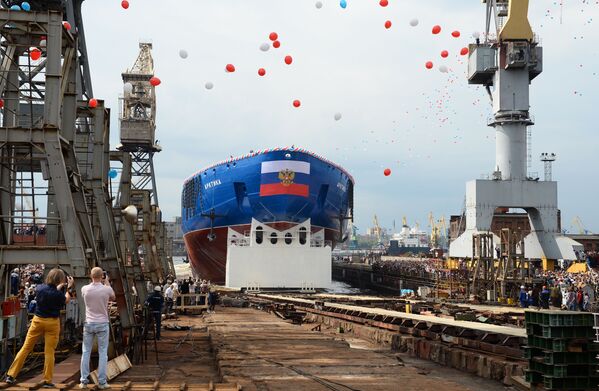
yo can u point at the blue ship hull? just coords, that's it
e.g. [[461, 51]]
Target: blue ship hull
[[280, 188]]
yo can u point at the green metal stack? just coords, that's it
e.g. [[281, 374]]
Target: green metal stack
[[561, 350]]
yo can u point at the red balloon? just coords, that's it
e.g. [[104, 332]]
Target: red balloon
[[288, 60], [273, 36], [230, 68], [66, 25], [125, 4], [154, 81], [429, 65], [35, 54], [456, 34], [93, 103], [1, 103], [276, 44], [384, 3], [464, 51], [436, 29], [388, 24], [297, 103], [444, 53], [387, 172], [262, 71]]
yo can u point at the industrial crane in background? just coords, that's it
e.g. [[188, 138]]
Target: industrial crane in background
[[377, 231], [438, 236], [577, 222]]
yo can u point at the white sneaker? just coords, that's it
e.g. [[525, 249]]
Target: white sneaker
[[83, 386], [104, 386]]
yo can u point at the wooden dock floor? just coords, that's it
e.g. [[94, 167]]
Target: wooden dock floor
[[242, 348], [262, 352]]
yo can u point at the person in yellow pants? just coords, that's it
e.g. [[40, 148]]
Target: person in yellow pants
[[46, 322]]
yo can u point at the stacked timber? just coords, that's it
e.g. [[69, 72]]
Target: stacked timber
[[561, 350]]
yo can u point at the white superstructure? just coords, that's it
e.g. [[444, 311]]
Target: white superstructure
[[269, 258]]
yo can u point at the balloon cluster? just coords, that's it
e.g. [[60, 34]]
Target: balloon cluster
[[436, 30]]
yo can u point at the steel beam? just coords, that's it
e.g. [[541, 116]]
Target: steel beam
[[23, 255]]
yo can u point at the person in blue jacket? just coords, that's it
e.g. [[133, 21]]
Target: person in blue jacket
[[524, 299]]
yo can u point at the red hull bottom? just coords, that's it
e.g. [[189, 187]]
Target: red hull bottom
[[209, 258]]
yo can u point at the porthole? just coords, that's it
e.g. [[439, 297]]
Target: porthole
[[302, 235], [259, 235], [288, 238], [273, 238]]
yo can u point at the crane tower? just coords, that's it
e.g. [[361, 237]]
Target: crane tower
[[505, 63]]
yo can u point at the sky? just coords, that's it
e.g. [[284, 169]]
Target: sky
[[428, 127]]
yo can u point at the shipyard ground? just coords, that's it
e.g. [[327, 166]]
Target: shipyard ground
[[259, 351]]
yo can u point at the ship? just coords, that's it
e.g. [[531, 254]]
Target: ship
[[279, 188], [409, 241]]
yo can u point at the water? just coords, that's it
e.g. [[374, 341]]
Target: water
[[182, 269]]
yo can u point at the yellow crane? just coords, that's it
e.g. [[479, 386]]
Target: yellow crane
[[376, 229], [577, 222], [434, 230]]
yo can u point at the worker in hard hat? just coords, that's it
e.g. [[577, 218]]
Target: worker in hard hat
[[524, 299], [155, 304]]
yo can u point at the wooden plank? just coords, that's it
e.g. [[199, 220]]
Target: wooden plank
[[114, 368]]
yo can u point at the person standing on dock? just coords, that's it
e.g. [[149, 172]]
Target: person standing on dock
[[545, 295], [524, 299], [46, 321], [97, 324], [556, 296], [169, 295], [212, 299], [155, 303]]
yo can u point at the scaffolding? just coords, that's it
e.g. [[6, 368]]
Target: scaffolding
[[56, 200]]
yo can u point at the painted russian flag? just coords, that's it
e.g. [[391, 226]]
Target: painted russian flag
[[281, 177]]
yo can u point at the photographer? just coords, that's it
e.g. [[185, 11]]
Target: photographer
[[46, 321]]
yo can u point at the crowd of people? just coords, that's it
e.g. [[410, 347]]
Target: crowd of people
[[562, 290], [424, 268], [553, 289], [23, 284], [174, 289]]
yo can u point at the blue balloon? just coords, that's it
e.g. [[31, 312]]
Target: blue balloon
[[15, 8], [113, 174], [343, 4], [26, 6]]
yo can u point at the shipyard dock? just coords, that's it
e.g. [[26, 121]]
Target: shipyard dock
[[249, 349]]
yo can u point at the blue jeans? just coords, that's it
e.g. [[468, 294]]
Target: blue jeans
[[101, 331]]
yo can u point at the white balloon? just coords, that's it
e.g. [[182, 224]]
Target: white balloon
[[130, 214], [338, 116], [443, 68], [183, 53], [128, 88], [43, 43], [265, 46], [209, 85], [414, 22], [319, 4], [476, 35]]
